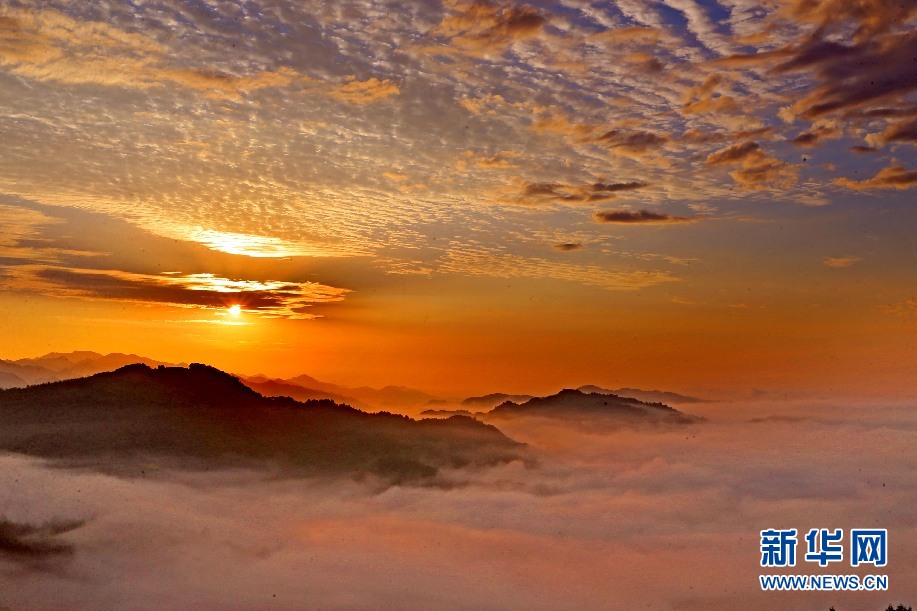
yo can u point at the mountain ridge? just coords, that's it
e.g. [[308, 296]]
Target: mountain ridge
[[204, 417], [591, 409]]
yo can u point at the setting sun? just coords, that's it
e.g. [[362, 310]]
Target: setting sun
[[235, 310]]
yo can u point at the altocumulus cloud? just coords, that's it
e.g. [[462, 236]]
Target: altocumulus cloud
[[640, 217], [757, 170], [545, 193], [894, 177], [482, 28]]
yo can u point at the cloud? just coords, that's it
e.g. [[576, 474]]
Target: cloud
[[758, 170], [476, 261], [697, 136], [365, 92], [631, 142], [871, 17], [28, 542], [567, 246], [902, 131], [255, 246], [733, 153], [642, 217], [605, 187], [863, 150], [838, 262], [542, 193], [48, 45], [271, 131], [491, 104], [705, 98], [48, 251], [501, 160], [814, 137], [875, 67], [765, 173], [270, 298], [558, 124], [22, 236], [852, 63], [893, 177], [486, 28], [619, 140], [641, 507]]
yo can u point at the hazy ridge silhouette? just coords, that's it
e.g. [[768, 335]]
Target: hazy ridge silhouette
[[578, 408], [571, 404], [57, 366]]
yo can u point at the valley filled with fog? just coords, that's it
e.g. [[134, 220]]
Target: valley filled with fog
[[658, 517]]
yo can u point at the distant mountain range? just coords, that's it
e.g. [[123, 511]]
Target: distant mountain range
[[389, 397], [594, 410], [278, 388], [198, 417], [436, 413], [649, 396], [494, 399], [56, 366], [150, 414]]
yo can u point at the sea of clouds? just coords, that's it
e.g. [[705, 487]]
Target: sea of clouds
[[662, 518]]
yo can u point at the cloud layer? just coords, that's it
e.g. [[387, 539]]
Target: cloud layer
[[278, 132], [668, 519]]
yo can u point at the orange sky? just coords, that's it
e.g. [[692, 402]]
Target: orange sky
[[467, 197]]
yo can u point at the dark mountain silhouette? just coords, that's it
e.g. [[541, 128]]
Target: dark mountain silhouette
[[494, 399], [56, 366], [649, 396], [201, 417], [591, 410]]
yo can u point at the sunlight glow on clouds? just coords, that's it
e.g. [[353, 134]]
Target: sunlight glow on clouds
[[272, 298], [438, 143], [252, 245]]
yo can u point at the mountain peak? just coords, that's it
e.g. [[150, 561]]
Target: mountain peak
[[198, 383], [592, 409]]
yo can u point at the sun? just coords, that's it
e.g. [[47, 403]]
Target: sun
[[235, 310]]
